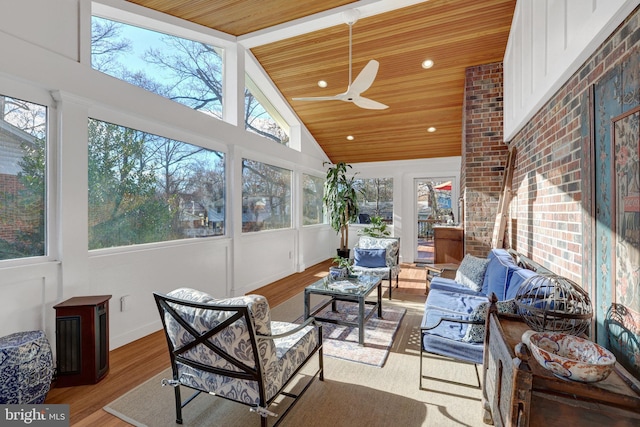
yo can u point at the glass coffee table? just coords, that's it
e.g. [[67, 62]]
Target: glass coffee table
[[353, 289]]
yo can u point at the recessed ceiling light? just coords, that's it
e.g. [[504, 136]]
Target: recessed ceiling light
[[322, 83], [350, 137], [427, 63], [431, 129]]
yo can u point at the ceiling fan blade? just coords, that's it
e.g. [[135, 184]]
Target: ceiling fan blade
[[369, 104], [365, 78], [319, 98]]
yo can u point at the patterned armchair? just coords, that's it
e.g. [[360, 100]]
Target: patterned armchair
[[232, 349], [379, 256]]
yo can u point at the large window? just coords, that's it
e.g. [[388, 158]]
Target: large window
[[375, 198], [185, 71], [266, 196], [312, 206], [23, 140], [144, 188], [261, 117]]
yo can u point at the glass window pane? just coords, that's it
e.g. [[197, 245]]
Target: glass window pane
[[23, 140], [266, 196], [145, 188], [312, 206], [375, 198], [261, 117], [185, 71]]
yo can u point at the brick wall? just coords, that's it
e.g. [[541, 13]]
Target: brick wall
[[483, 155], [547, 218], [551, 213]]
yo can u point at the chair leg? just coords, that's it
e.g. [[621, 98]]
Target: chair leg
[[421, 351], [176, 391]]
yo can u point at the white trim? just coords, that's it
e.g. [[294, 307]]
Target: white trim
[[144, 17], [321, 20], [520, 107]]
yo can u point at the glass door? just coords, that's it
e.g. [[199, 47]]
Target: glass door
[[434, 205]]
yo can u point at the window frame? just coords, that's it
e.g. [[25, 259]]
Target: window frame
[[268, 107], [292, 198], [141, 125], [393, 208], [30, 93], [325, 219]]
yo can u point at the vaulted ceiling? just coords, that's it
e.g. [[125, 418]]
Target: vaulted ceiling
[[301, 42]]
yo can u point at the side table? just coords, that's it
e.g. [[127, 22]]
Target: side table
[[26, 368], [446, 270], [518, 391]]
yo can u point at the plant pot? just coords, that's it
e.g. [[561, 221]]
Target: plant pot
[[344, 253], [338, 273]]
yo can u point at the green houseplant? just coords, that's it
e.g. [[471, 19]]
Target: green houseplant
[[377, 228], [340, 199], [343, 267]]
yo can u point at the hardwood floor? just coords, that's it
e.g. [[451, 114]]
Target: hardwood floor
[[136, 362]]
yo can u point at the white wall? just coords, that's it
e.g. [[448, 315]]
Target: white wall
[[40, 63], [548, 42]]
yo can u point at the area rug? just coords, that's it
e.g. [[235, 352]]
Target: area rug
[[342, 341], [352, 394]]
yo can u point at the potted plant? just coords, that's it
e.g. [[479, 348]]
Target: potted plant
[[340, 199], [343, 268], [376, 228]]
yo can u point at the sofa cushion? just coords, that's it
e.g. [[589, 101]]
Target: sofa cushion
[[475, 333], [499, 253], [370, 258], [471, 272], [518, 277], [451, 285], [392, 245], [497, 276], [453, 302], [446, 338]]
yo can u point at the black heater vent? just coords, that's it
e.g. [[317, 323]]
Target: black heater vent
[[68, 345]]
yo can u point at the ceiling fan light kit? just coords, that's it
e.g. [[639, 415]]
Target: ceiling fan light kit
[[362, 82]]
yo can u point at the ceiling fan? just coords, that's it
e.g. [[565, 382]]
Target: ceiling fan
[[363, 81]]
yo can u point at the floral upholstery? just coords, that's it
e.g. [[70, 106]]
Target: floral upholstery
[[26, 368], [392, 245], [277, 359]]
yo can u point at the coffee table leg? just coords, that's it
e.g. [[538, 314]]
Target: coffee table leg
[[380, 300], [306, 304], [361, 305]]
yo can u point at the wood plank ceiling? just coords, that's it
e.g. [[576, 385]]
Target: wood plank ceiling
[[455, 34]]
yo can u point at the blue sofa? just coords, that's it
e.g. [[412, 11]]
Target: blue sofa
[[454, 315]]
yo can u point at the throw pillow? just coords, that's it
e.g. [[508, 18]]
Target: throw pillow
[[370, 258], [475, 333], [471, 272]]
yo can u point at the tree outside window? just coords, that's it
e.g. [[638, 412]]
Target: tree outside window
[[266, 196], [261, 117], [23, 132], [145, 188], [312, 194], [183, 70], [375, 198]]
